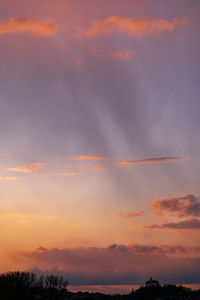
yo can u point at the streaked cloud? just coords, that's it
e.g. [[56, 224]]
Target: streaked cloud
[[23, 24], [30, 218], [182, 206], [136, 27], [122, 54], [132, 214], [14, 215], [192, 224], [87, 157], [32, 167], [155, 160], [12, 178], [67, 174], [100, 168]]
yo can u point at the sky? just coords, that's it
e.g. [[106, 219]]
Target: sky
[[99, 131]]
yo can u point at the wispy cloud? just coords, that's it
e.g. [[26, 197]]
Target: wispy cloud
[[87, 157], [12, 178], [23, 24], [131, 214], [182, 206], [143, 161], [30, 217], [136, 27], [63, 174], [32, 167], [80, 62], [192, 224], [14, 215], [122, 54], [100, 168]]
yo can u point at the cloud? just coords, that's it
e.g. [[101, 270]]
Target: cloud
[[32, 167], [14, 215], [12, 178], [138, 28], [150, 249], [182, 206], [116, 264], [148, 161], [193, 224], [100, 168], [132, 214], [67, 174], [122, 54], [87, 157], [80, 62], [23, 24]]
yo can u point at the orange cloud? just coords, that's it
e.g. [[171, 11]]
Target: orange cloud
[[87, 157], [32, 167], [23, 24], [122, 54], [148, 161], [138, 28]]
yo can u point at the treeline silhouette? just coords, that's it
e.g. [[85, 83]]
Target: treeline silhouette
[[29, 286]]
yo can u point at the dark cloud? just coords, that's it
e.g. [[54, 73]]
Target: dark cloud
[[116, 264], [183, 206], [148, 161], [193, 224]]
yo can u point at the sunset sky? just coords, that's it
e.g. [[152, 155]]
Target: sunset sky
[[100, 139]]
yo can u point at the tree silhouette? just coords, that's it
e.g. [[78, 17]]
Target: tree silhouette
[[27, 286]]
